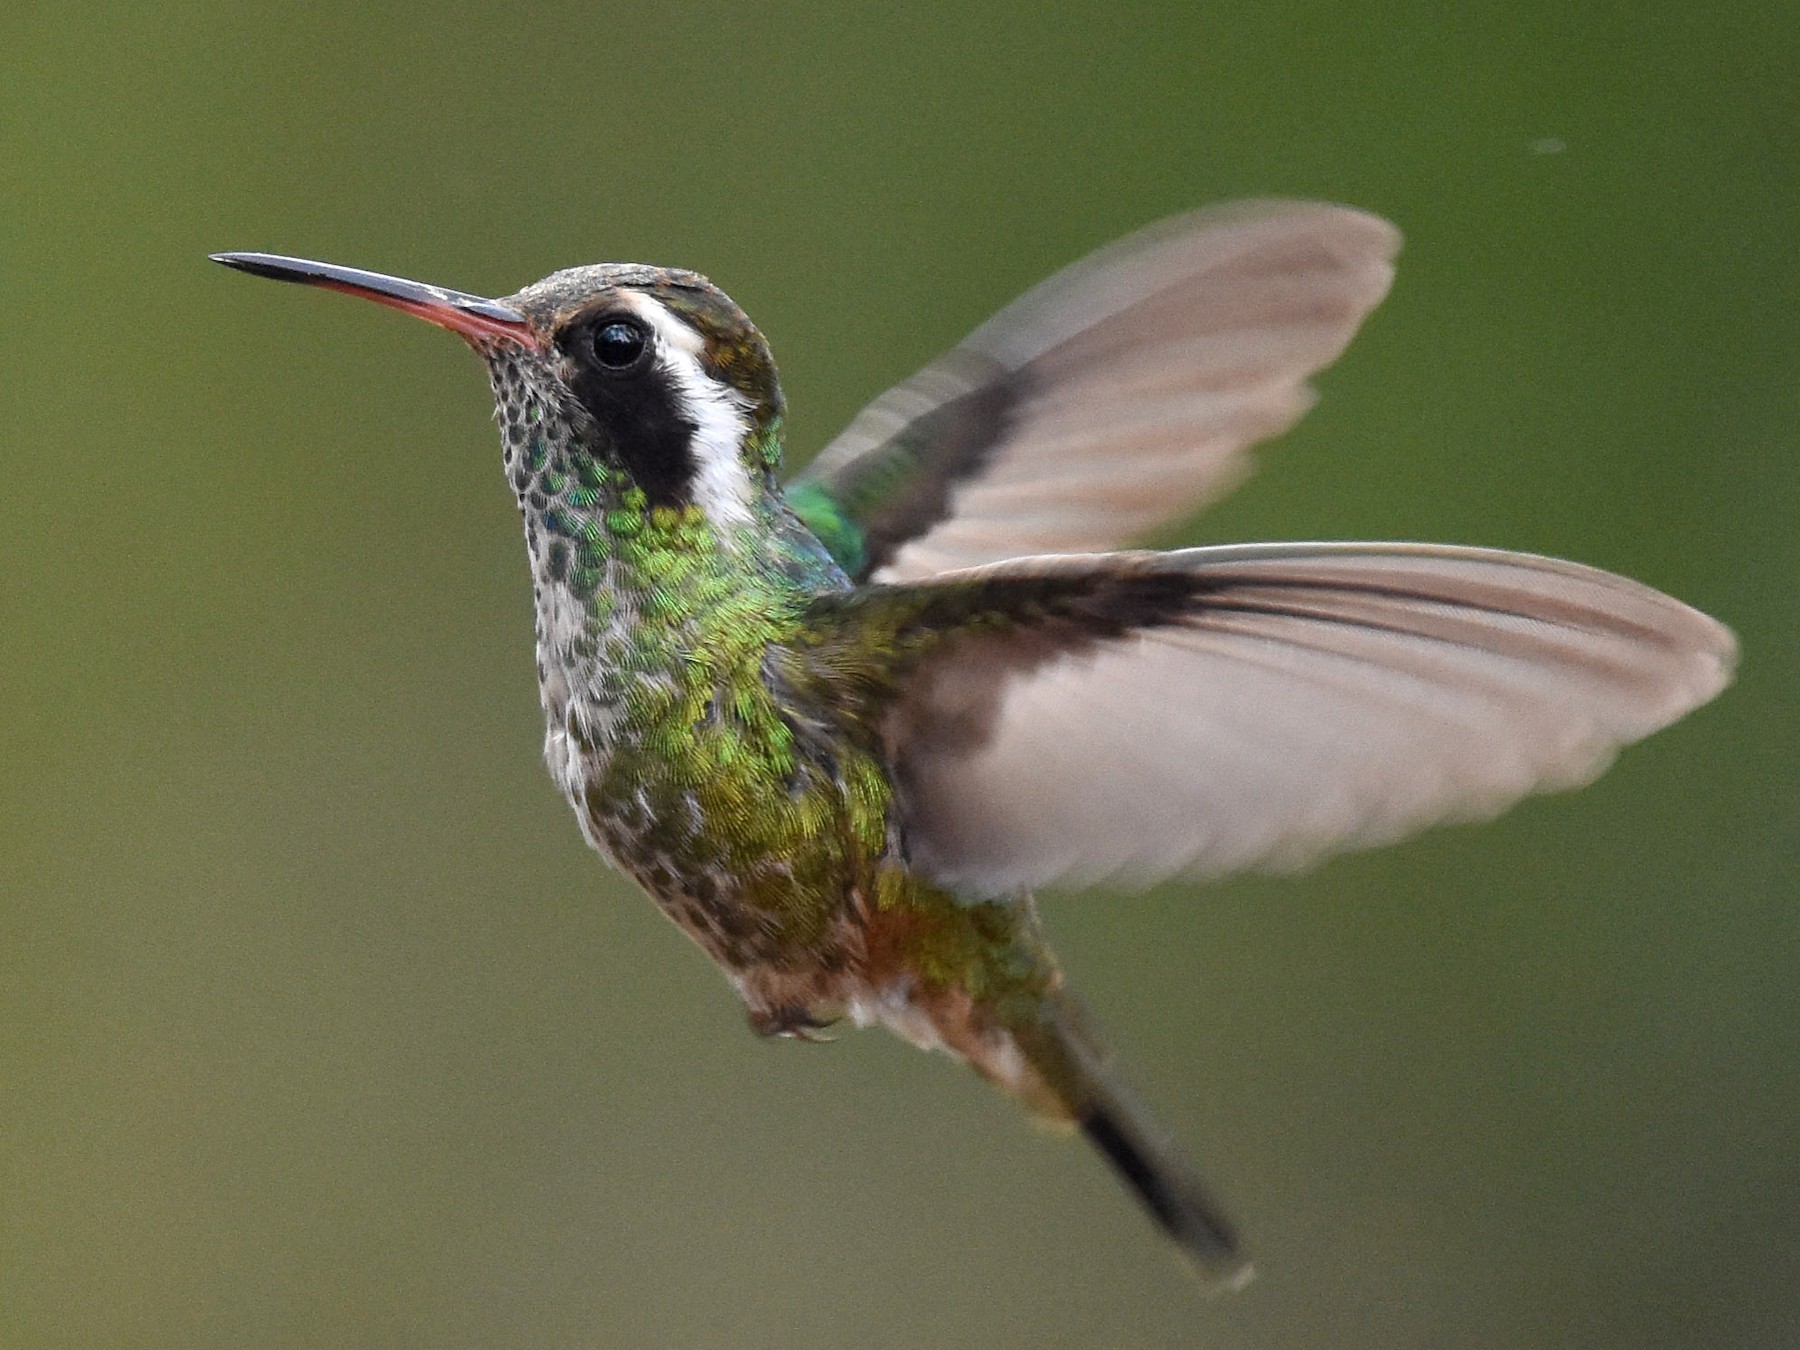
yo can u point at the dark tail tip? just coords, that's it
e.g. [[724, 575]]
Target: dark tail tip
[[1172, 1194]]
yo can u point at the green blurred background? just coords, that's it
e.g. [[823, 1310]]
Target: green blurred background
[[319, 1026]]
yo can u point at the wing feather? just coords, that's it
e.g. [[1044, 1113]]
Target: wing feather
[[1307, 699], [1119, 394]]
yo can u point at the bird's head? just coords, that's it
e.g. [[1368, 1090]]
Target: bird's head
[[652, 376]]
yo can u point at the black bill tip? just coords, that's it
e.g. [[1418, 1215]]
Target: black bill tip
[[262, 265], [473, 316]]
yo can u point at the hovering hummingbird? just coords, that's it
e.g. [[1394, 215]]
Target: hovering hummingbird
[[840, 729]]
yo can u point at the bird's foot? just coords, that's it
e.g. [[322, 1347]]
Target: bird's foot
[[791, 1023]]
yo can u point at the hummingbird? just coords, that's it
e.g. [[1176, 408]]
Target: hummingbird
[[842, 727]]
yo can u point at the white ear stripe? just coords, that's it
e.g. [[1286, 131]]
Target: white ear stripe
[[719, 414]]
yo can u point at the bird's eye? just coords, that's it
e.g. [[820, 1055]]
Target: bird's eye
[[619, 343]]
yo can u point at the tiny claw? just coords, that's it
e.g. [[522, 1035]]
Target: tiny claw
[[790, 1023]]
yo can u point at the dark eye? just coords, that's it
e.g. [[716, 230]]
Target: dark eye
[[619, 343]]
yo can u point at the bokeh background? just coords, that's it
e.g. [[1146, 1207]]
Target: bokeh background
[[320, 1027]]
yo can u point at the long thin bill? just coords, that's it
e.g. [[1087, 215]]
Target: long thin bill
[[472, 316]]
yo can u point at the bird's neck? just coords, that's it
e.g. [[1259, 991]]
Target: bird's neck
[[610, 566], [630, 592], [627, 590]]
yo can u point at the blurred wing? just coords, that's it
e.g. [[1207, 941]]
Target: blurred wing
[[1215, 709], [1119, 394]]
